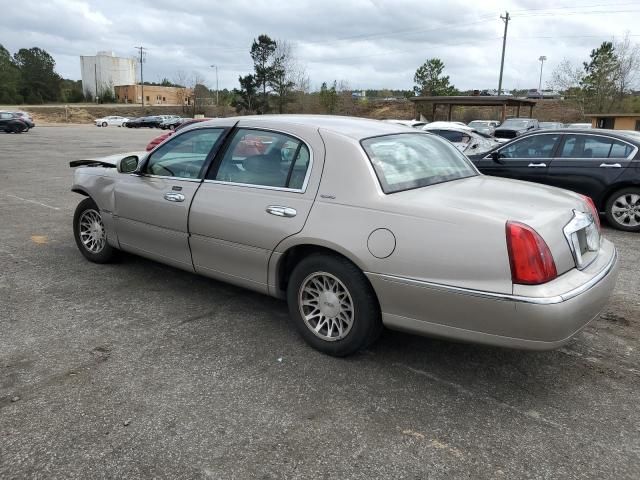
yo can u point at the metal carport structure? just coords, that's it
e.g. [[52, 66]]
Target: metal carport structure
[[422, 104]]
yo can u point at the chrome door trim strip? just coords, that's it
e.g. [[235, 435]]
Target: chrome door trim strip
[[503, 296]]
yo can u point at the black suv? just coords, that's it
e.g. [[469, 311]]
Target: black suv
[[12, 123], [514, 127], [602, 164]]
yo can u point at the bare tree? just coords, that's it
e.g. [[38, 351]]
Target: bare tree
[[200, 92], [628, 66], [180, 78], [567, 77], [287, 74]]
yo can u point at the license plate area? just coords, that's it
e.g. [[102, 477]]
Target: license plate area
[[584, 239]]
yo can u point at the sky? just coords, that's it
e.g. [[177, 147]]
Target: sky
[[363, 43]]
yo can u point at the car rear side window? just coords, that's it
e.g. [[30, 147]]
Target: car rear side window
[[594, 146], [264, 158], [407, 160], [183, 155]]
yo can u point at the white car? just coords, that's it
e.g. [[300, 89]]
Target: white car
[[111, 120], [465, 138]]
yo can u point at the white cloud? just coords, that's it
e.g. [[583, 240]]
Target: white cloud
[[368, 43]]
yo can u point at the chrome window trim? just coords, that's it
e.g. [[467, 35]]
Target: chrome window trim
[[507, 297], [167, 177], [263, 187], [307, 176], [629, 157]]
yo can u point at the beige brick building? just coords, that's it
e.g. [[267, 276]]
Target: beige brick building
[[154, 95], [616, 121]]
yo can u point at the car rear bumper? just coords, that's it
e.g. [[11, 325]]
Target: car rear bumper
[[540, 317]]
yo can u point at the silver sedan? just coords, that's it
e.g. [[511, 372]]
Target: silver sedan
[[358, 224]]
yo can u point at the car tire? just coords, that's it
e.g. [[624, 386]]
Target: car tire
[[344, 300], [90, 234], [104, 124], [623, 209]]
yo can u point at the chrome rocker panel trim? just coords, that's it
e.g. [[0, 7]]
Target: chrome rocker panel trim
[[507, 297]]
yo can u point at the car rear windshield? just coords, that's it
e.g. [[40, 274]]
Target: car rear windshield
[[413, 160]]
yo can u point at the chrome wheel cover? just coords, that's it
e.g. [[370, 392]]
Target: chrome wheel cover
[[626, 210], [92, 233], [326, 306]]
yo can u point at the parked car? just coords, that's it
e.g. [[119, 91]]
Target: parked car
[[150, 122], [465, 138], [26, 118], [604, 165], [408, 123], [170, 122], [485, 126], [581, 126], [422, 242], [161, 138], [111, 120], [551, 125], [544, 94], [513, 127], [12, 123]]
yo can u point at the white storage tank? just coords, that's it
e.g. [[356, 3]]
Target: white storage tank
[[102, 72]]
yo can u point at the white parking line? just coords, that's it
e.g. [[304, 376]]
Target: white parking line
[[32, 201]]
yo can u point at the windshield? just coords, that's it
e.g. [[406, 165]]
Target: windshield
[[479, 124], [406, 161]]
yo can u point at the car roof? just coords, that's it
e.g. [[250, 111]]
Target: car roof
[[352, 127]]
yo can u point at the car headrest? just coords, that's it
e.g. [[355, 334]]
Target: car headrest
[[262, 163]]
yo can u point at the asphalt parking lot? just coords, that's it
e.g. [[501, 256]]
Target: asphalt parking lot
[[138, 370]]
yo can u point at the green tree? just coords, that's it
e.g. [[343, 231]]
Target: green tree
[[245, 98], [9, 78], [429, 80], [40, 82], [600, 80], [262, 53], [329, 97]]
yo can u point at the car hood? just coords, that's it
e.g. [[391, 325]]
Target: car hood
[[108, 161]]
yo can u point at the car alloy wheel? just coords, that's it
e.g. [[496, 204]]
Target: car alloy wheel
[[326, 306], [104, 124], [92, 232], [625, 210]]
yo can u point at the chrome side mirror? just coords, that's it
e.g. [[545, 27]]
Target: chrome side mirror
[[127, 164]]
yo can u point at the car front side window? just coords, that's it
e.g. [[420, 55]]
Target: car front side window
[[184, 155], [535, 146], [264, 158]]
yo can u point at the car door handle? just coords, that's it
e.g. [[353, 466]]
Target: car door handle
[[174, 197], [610, 165], [537, 165], [279, 211]]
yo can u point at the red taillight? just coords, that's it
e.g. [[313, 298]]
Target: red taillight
[[594, 210], [530, 257]]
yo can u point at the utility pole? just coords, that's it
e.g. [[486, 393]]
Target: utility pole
[[505, 19], [142, 49], [216, 67], [95, 76], [542, 59]]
